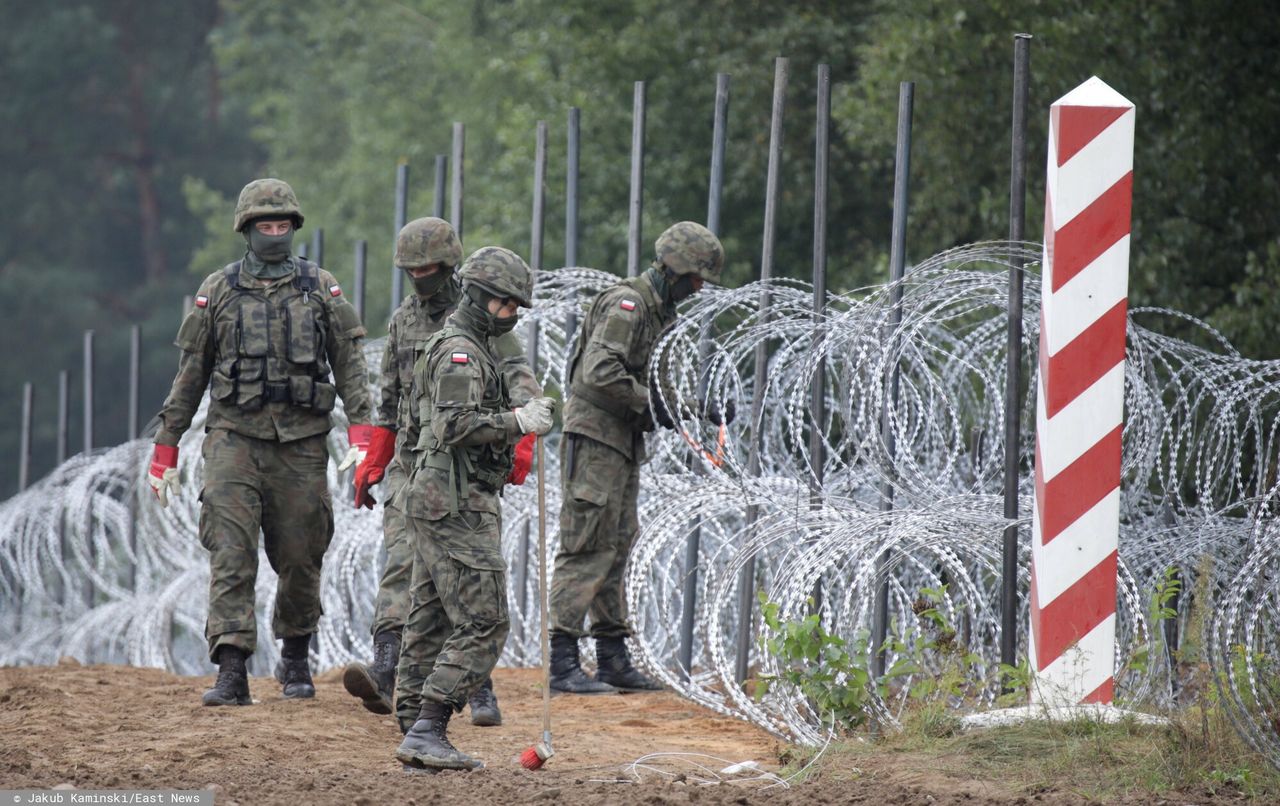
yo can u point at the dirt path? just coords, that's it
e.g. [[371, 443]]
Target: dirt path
[[115, 727]]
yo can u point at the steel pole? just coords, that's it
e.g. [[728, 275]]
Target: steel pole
[[1013, 366], [135, 380], [897, 269], [456, 186], [317, 247], [402, 212], [24, 445], [88, 391], [693, 547], [817, 387], [571, 189], [636, 206], [442, 177], [531, 341], [361, 277], [64, 414], [746, 577]]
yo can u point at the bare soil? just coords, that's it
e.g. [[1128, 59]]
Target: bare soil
[[113, 727]]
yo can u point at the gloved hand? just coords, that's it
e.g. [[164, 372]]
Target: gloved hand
[[659, 410], [358, 436], [535, 416], [370, 471], [163, 473], [524, 460], [716, 413]]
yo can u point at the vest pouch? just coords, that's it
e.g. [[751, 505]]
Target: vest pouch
[[250, 395], [302, 390], [301, 332], [253, 328], [326, 395], [221, 386], [249, 370]]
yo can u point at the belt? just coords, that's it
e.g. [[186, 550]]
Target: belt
[[277, 392]]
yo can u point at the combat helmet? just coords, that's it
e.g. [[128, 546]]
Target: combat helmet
[[267, 197], [690, 248], [501, 273], [424, 241]]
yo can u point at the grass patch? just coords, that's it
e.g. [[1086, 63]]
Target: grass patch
[[1198, 755]]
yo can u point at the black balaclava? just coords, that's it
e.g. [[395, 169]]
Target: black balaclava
[[426, 287], [474, 311], [268, 257]]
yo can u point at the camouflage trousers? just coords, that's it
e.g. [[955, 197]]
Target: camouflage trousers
[[598, 524], [458, 620], [281, 489], [392, 605]]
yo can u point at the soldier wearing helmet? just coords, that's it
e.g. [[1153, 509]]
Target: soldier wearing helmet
[[607, 410], [428, 251], [463, 426], [274, 341]]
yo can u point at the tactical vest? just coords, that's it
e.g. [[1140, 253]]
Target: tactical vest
[[487, 465], [271, 349]]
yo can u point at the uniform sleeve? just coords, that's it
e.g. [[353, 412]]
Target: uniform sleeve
[[604, 365], [346, 356], [196, 339], [522, 384], [456, 418], [387, 413]]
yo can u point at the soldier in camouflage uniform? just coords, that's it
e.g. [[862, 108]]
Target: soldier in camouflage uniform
[[462, 426], [428, 251], [263, 336], [607, 411]]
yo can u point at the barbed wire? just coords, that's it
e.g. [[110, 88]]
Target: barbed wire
[[91, 566]]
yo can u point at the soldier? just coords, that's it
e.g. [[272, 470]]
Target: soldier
[[263, 335], [608, 408], [462, 426], [428, 251]]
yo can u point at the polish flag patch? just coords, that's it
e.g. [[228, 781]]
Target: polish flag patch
[[202, 301], [335, 290], [627, 305], [461, 358]]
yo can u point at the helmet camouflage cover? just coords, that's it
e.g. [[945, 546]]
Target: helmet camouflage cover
[[424, 241], [690, 248], [501, 272], [267, 197]]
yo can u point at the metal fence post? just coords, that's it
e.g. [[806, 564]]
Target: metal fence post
[[746, 577], [317, 246], [456, 185], [361, 277], [401, 216], [636, 206], [442, 177], [24, 446], [818, 388]]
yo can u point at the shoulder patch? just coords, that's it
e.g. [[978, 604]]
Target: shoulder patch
[[627, 305], [202, 301], [335, 290], [460, 358]]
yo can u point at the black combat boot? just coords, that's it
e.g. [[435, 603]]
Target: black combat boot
[[613, 666], [484, 705], [232, 687], [294, 671], [426, 745], [375, 685], [566, 669]]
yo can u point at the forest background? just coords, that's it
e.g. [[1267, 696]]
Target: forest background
[[131, 125]]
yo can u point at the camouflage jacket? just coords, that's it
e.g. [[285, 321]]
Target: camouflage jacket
[[264, 349], [415, 321], [608, 397], [461, 426]]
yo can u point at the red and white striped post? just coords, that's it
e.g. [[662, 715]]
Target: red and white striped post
[[1080, 400]]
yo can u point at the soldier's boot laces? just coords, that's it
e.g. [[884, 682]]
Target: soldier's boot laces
[[484, 705], [375, 685], [427, 746], [614, 667], [566, 669], [293, 671], [232, 686]]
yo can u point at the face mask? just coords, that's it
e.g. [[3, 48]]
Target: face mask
[[475, 309], [429, 285], [270, 248], [682, 287], [501, 325]]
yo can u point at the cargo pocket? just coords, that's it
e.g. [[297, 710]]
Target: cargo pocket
[[585, 512], [481, 597]]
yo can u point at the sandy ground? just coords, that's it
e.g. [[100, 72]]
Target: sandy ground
[[112, 727]]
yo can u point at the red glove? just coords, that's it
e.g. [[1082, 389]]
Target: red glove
[[163, 473], [524, 459], [358, 437], [381, 448]]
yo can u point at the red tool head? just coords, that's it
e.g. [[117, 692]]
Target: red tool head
[[534, 757]]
